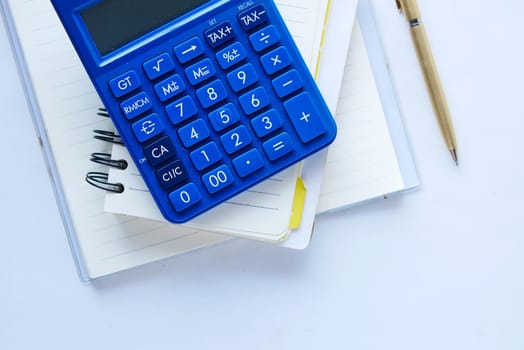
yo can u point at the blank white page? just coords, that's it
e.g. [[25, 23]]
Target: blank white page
[[361, 163]]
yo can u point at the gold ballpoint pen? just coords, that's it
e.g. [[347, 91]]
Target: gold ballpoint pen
[[427, 63]]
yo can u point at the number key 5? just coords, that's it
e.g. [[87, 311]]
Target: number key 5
[[224, 116]]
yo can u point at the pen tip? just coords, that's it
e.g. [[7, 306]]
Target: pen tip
[[454, 156]]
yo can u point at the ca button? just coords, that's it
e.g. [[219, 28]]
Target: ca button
[[159, 151]]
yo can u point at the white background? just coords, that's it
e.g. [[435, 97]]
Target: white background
[[439, 268]]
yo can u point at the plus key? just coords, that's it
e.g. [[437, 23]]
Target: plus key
[[305, 117]]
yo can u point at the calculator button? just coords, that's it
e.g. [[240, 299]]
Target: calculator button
[[264, 38], [219, 34], [170, 87], [185, 197], [242, 77], [249, 162], [181, 110], [205, 156], [158, 66], [136, 105], [304, 117], [278, 146], [211, 94], [193, 133], [189, 50], [172, 174], [218, 179], [147, 128], [275, 60], [231, 55], [159, 151], [224, 116], [254, 100], [253, 17], [235, 140], [266, 123], [287, 83], [200, 72], [124, 84]]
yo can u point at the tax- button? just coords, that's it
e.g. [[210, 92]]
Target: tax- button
[[253, 17], [124, 84], [304, 116], [159, 151], [172, 175]]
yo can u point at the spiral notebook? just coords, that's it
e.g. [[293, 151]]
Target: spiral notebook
[[64, 106]]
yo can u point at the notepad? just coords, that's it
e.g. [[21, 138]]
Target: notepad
[[371, 157], [361, 163], [64, 105]]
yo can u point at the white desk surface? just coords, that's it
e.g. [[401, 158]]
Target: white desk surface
[[440, 268]]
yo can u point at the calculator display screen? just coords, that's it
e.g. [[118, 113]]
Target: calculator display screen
[[114, 23]]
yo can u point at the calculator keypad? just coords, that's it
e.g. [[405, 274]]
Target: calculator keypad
[[236, 99]]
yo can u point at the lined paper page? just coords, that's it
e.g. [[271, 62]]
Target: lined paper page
[[265, 209], [263, 212], [361, 163], [305, 20], [68, 105]]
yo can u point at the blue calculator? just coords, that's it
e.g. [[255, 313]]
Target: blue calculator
[[209, 97]]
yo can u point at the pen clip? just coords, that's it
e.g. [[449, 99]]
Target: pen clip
[[399, 5]]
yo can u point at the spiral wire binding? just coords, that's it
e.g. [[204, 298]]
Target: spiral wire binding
[[105, 159], [105, 135], [100, 179]]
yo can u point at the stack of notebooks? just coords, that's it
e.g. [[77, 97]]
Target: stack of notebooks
[[110, 232]]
